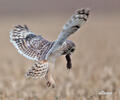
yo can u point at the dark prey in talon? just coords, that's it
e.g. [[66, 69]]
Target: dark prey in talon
[[68, 59], [44, 52]]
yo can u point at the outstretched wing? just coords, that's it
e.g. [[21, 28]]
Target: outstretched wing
[[75, 22], [28, 44], [38, 70]]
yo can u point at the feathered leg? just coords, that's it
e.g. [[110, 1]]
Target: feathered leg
[[49, 78]]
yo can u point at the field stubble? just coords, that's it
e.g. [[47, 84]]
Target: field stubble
[[96, 61]]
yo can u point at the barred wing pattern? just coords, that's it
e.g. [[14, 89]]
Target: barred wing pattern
[[75, 22], [37, 48], [28, 44], [38, 70]]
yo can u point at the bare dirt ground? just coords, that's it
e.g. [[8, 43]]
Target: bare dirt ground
[[96, 61]]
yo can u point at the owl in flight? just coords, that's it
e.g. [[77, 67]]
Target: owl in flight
[[42, 51]]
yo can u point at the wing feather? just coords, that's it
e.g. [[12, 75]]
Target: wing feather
[[75, 22], [28, 44]]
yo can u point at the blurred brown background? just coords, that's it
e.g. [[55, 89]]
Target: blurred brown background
[[56, 6], [96, 61]]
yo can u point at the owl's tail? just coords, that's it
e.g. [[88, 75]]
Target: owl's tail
[[38, 70]]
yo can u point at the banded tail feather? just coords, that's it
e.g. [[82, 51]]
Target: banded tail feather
[[38, 70]]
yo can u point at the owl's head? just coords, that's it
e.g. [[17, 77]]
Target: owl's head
[[68, 48]]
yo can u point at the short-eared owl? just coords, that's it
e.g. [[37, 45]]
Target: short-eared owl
[[42, 51]]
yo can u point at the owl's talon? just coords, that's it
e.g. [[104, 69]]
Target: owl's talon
[[49, 84], [53, 85]]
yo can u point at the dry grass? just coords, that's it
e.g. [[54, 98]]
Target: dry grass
[[96, 61]]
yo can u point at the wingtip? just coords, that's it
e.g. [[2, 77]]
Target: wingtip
[[83, 11], [25, 26]]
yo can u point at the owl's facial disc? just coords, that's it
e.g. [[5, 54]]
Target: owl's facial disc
[[69, 51]]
